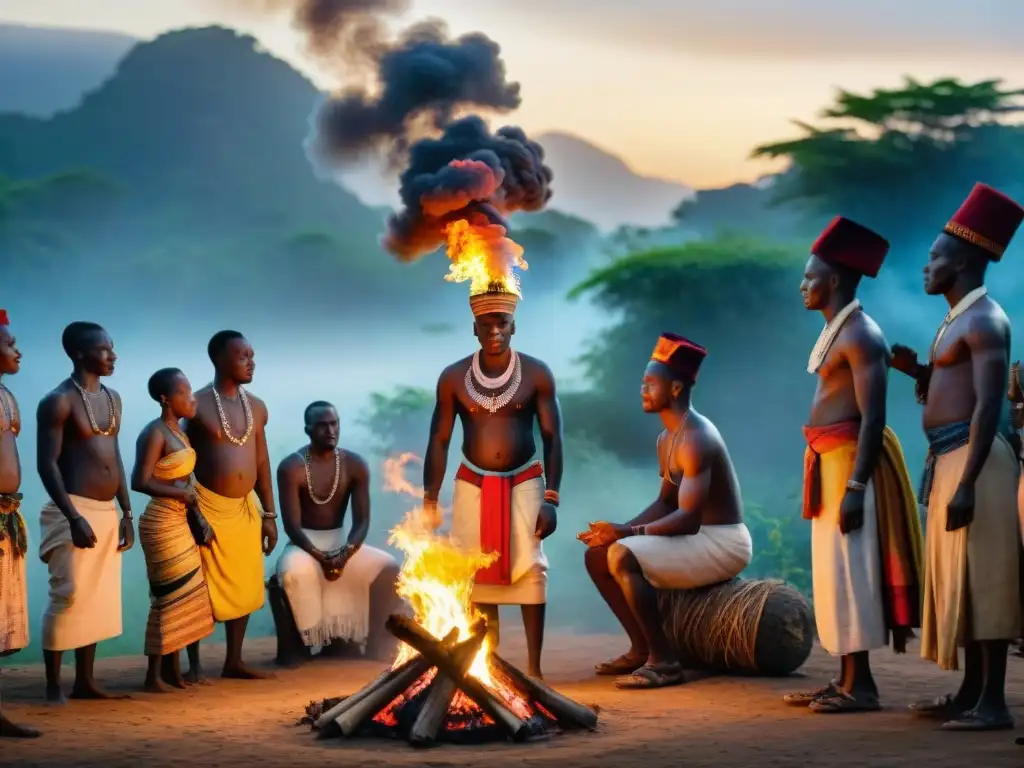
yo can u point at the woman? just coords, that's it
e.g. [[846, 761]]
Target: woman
[[180, 615]]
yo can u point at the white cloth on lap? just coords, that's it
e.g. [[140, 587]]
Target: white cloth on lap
[[714, 554]]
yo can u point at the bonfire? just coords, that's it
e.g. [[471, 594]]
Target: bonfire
[[445, 683]]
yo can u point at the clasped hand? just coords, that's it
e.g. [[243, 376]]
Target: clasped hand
[[334, 563]]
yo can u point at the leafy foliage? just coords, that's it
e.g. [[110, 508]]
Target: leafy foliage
[[396, 420], [919, 148]]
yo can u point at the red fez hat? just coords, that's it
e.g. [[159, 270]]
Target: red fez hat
[[849, 244], [681, 355], [987, 219], [4, 320]]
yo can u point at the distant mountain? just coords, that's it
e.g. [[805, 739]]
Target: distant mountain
[[188, 164], [44, 70], [598, 186]]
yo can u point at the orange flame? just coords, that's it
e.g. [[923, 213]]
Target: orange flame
[[483, 255], [436, 576]]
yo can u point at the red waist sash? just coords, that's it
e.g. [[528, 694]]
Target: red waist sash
[[496, 518], [822, 440]]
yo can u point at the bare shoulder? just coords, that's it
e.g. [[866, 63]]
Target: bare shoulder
[[55, 405], [290, 465], [452, 375], [862, 340], [536, 369], [259, 408], [987, 325], [355, 465]]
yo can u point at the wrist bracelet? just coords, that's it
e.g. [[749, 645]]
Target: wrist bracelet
[[853, 485], [270, 515], [638, 530], [551, 497]]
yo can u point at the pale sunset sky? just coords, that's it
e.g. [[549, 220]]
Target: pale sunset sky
[[681, 89]]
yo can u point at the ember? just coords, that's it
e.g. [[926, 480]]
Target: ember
[[445, 684]]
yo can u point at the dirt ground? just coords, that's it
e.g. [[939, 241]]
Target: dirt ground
[[715, 721]]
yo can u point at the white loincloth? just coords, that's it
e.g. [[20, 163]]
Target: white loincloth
[[330, 610], [846, 569], [13, 599], [85, 584], [714, 554], [529, 563], [971, 585]]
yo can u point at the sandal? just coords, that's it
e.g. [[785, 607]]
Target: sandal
[[652, 676], [624, 665], [805, 698], [939, 708], [972, 720], [842, 703]]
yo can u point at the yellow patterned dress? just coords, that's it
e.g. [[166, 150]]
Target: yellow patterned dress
[[180, 613]]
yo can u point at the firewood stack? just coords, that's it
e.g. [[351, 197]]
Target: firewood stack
[[432, 698]]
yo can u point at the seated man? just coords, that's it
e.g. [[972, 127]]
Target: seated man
[[691, 536], [339, 591]]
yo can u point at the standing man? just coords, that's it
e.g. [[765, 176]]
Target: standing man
[[339, 589], [234, 491], [865, 533], [692, 535], [971, 591], [504, 501], [79, 462], [13, 536]]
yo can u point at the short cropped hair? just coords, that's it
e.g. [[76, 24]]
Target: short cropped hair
[[76, 336], [161, 383], [307, 414], [220, 342]]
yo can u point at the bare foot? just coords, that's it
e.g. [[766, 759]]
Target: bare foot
[[55, 697], [196, 677], [239, 671], [89, 690], [536, 674], [9, 730], [172, 680], [156, 685]]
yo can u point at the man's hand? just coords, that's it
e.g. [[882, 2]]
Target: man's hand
[[603, 534], [82, 535], [851, 512], [268, 535], [334, 564], [432, 514], [904, 360], [960, 510], [547, 520], [125, 534], [1014, 393]]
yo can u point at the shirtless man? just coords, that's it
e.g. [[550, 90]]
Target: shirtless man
[[692, 535], [971, 591], [339, 590], [13, 539], [503, 501], [79, 462], [857, 490], [234, 491]]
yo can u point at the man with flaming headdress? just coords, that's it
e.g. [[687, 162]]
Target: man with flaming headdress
[[971, 589], [504, 500], [691, 536], [865, 532]]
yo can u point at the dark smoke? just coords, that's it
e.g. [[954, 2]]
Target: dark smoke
[[466, 173], [421, 81]]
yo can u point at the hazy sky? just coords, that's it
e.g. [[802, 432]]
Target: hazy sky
[[679, 88]]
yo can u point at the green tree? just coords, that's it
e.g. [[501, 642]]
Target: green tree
[[398, 421], [900, 160]]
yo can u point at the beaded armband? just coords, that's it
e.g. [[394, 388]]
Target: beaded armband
[[551, 497]]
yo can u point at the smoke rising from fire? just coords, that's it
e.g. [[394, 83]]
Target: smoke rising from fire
[[400, 92]]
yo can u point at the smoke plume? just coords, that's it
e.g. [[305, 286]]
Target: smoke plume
[[401, 91]]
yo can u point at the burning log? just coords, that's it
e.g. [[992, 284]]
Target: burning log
[[442, 690], [569, 713], [370, 699], [411, 633]]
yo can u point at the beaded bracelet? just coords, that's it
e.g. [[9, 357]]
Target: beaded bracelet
[[551, 497]]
